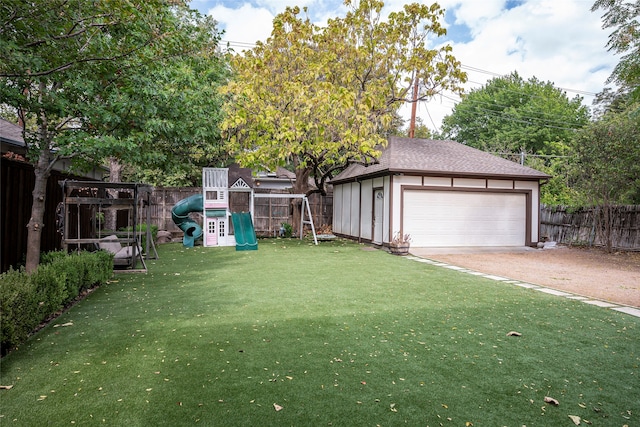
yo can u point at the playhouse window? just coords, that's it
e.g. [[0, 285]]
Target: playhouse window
[[212, 195], [212, 227], [221, 230]]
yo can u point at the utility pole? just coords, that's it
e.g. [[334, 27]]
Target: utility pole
[[414, 103]]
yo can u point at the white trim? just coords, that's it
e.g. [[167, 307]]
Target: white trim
[[279, 196], [240, 184]]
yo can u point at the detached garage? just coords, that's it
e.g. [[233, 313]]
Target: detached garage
[[442, 193]]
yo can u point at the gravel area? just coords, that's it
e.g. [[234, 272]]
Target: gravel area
[[592, 272]]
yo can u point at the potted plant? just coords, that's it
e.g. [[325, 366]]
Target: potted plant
[[400, 244]]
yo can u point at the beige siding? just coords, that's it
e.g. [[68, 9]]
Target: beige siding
[[437, 181], [355, 209], [500, 183], [338, 209], [470, 183], [500, 205], [366, 201]]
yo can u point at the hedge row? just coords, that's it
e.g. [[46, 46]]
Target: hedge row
[[26, 300]]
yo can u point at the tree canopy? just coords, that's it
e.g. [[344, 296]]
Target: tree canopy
[[606, 166], [622, 17], [607, 159], [104, 79], [511, 115], [162, 116], [323, 97]]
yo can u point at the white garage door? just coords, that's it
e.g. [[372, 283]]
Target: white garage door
[[460, 218]]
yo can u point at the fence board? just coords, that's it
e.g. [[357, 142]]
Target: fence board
[[163, 200], [269, 213], [581, 227], [16, 185]]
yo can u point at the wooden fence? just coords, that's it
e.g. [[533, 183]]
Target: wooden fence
[[162, 200], [16, 185], [584, 226], [269, 213]]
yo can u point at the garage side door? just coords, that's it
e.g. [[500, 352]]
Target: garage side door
[[459, 218]]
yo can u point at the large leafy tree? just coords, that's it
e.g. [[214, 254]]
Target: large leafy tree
[[622, 17], [76, 68], [511, 115], [180, 123], [323, 97], [161, 118], [607, 163], [611, 101]]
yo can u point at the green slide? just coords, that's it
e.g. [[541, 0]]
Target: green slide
[[245, 234], [180, 215]]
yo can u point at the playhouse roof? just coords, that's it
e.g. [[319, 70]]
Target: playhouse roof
[[236, 172]]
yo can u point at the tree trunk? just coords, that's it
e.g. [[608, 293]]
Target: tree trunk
[[34, 227], [115, 175]]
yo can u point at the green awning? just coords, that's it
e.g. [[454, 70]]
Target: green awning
[[216, 213]]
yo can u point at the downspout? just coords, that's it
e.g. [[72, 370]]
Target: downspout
[[391, 202], [359, 210]]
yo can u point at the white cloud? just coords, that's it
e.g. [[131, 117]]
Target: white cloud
[[474, 14], [245, 24], [557, 41]]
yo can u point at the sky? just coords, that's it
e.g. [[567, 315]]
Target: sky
[[560, 41]]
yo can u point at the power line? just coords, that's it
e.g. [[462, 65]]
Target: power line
[[480, 70], [578, 91], [239, 44], [581, 92], [506, 107], [431, 118], [552, 124], [463, 66], [492, 73]]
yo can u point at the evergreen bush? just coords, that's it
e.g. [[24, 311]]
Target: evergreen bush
[[28, 300]]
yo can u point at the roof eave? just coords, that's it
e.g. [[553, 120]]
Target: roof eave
[[370, 175], [454, 174], [412, 172]]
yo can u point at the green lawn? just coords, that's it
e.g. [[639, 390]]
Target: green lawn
[[333, 334]]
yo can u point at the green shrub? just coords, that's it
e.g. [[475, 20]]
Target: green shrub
[[50, 286], [18, 308], [27, 300], [53, 256], [142, 230], [81, 270], [288, 229], [73, 268], [97, 269]]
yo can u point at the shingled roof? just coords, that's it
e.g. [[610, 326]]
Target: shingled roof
[[441, 158], [236, 172], [11, 133]]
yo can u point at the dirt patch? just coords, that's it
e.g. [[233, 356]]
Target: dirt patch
[[594, 273]]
